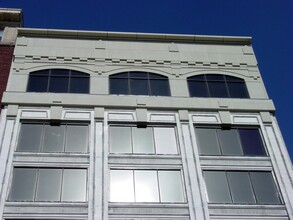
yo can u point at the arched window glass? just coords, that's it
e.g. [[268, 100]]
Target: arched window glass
[[139, 83], [58, 81], [215, 85]]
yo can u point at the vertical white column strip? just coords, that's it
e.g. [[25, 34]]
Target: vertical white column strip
[[282, 172], [191, 159], [6, 161], [105, 170], [99, 177], [91, 171]]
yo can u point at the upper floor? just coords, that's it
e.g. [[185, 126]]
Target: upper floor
[[152, 70]]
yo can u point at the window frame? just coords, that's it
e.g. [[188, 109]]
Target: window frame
[[37, 171], [157, 170], [237, 128], [149, 78], [154, 144], [65, 137], [225, 82], [254, 193], [69, 76]]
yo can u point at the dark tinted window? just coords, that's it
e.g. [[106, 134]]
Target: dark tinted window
[[139, 83], [241, 187], [251, 142], [45, 138], [215, 85], [48, 184], [230, 142], [58, 81]]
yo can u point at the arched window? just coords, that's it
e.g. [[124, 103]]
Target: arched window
[[58, 81], [214, 85], [139, 83]]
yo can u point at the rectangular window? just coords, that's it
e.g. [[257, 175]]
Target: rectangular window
[[241, 187], [149, 140], [230, 142], [160, 186], [69, 138], [48, 184]]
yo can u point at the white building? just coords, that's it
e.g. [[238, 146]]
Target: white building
[[100, 125]]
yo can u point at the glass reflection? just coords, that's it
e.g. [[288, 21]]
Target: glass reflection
[[49, 185], [30, 138], [120, 140], [74, 185], [207, 141], [121, 186], [77, 138], [240, 187], [146, 186], [23, 184], [165, 140], [170, 186], [217, 187], [143, 140], [53, 138]]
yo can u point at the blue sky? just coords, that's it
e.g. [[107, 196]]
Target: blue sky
[[269, 22]]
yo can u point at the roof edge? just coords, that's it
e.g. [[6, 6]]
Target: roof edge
[[133, 36]]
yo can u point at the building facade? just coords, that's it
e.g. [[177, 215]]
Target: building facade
[[101, 125]]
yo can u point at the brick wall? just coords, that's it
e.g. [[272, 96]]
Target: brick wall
[[6, 53]]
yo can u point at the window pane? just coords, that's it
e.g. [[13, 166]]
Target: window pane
[[37, 83], [240, 187], [198, 89], [214, 77], [74, 185], [49, 185], [120, 75], [252, 142], [160, 87], [237, 90], [138, 75], [207, 141], [77, 138], [121, 186], [198, 78], [79, 85], [77, 73], [143, 140], [23, 184], [58, 84], [217, 187], [139, 87], [30, 138], [120, 140], [218, 89], [119, 86], [157, 76], [59, 72], [170, 186], [165, 141], [53, 139], [229, 142], [146, 186], [264, 188]]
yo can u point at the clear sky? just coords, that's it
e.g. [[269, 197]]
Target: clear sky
[[269, 22]]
